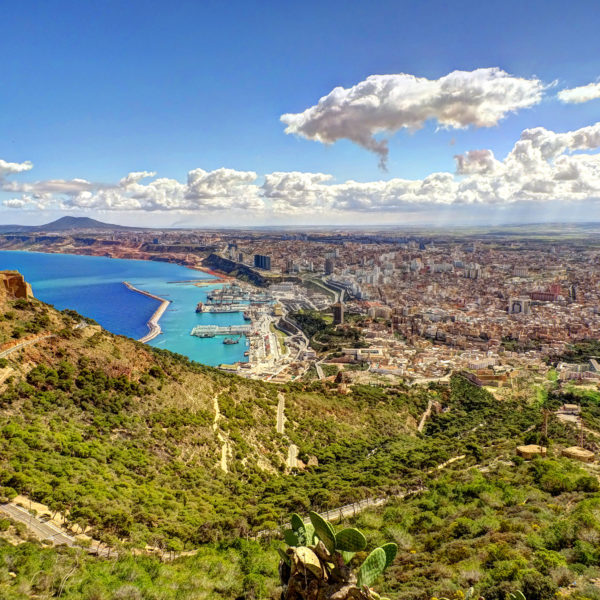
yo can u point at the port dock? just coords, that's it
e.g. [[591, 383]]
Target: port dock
[[213, 330], [153, 326]]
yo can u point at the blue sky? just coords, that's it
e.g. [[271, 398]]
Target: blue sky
[[95, 91]]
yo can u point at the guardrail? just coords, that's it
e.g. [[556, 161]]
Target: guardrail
[[348, 510]]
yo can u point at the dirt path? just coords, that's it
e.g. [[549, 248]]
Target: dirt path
[[225, 446], [5, 374], [281, 413], [425, 416], [293, 456], [217, 413], [576, 420]]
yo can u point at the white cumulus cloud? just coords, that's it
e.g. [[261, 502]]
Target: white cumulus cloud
[[204, 190], [388, 103], [543, 166], [582, 93], [294, 191], [8, 168]]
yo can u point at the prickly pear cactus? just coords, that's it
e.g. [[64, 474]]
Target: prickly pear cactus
[[317, 563]]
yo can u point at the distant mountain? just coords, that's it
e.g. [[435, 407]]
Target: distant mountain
[[64, 224], [67, 223]]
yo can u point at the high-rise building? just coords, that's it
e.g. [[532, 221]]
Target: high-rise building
[[338, 313], [329, 266], [262, 262], [573, 293]]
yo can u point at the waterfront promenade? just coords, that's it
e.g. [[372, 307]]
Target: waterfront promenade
[[153, 326]]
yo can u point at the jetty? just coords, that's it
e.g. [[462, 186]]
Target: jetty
[[153, 326]]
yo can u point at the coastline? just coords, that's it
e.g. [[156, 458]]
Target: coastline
[[153, 326], [219, 277], [150, 329]]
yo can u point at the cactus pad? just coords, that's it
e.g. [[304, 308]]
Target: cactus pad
[[290, 537], [351, 540], [306, 560], [372, 567], [297, 523], [309, 534], [324, 531], [390, 550]]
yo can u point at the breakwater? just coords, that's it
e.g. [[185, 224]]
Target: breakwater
[[153, 326]]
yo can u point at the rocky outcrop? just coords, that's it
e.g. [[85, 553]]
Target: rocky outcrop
[[13, 286]]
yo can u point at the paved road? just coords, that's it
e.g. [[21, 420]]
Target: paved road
[[43, 530], [47, 530], [24, 344]]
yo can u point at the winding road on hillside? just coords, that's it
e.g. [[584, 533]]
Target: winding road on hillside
[[42, 529], [25, 343]]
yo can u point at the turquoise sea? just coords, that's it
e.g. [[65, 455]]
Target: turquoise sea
[[92, 285]]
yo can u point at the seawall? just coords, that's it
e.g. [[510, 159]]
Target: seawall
[[153, 326]]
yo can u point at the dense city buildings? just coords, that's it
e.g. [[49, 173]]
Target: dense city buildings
[[426, 304]]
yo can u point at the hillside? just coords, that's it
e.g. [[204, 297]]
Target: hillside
[[145, 450], [98, 412]]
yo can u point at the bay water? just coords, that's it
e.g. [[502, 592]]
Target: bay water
[[93, 286]]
